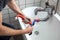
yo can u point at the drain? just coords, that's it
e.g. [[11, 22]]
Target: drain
[[36, 33]]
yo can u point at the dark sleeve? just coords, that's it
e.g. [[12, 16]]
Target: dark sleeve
[[3, 3]]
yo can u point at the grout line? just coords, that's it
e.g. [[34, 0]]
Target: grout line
[[34, 3], [25, 3]]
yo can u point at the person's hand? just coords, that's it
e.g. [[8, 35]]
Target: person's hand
[[28, 29], [21, 16], [27, 21]]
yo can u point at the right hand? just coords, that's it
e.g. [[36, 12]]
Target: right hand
[[27, 21], [28, 29]]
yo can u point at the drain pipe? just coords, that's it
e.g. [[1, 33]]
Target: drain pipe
[[56, 6]]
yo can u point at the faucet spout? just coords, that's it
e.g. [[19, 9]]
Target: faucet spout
[[38, 9], [48, 8]]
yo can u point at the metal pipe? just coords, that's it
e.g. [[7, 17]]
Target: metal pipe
[[56, 6]]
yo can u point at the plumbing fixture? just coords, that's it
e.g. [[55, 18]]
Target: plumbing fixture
[[56, 6], [36, 32], [48, 8]]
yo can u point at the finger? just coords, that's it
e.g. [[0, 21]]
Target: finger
[[25, 22], [29, 19]]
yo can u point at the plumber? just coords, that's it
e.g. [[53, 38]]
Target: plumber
[[7, 30]]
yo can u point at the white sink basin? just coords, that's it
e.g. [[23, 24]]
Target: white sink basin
[[48, 30]]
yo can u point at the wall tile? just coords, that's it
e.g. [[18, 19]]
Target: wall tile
[[37, 4], [52, 2], [43, 3], [29, 1], [22, 7], [29, 5], [37, 0], [17, 1], [21, 2]]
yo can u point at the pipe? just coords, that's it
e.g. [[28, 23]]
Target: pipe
[[56, 6]]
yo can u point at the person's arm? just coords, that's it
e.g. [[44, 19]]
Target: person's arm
[[6, 31], [9, 32], [12, 4]]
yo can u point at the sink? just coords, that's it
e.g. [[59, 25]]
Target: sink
[[46, 30]]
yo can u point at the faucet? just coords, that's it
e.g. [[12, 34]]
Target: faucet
[[48, 8]]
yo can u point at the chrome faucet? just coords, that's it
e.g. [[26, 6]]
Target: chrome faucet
[[48, 8]]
